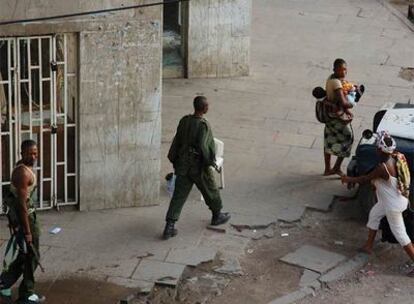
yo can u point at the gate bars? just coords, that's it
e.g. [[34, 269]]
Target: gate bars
[[38, 109]]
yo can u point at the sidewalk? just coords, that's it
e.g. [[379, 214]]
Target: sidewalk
[[273, 143]]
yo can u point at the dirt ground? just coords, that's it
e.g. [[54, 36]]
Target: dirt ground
[[268, 278], [265, 277], [82, 291], [382, 281]]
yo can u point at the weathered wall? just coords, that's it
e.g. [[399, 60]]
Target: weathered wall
[[20, 9], [219, 38], [120, 116], [119, 95]]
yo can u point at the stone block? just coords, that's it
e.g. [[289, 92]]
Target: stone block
[[291, 213], [313, 258], [319, 201], [308, 278], [231, 265], [159, 272], [351, 265]]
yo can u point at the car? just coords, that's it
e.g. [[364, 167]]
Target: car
[[398, 120]]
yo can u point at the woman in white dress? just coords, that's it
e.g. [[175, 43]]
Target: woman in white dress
[[391, 203]]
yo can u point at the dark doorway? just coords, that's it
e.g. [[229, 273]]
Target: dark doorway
[[174, 50]]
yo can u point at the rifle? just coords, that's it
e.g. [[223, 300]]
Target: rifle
[[26, 247], [36, 257]]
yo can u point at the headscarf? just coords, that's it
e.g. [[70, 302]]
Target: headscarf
[[382, 135]]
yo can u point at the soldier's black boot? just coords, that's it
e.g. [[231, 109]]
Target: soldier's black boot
[[169, 230], [220, 218]]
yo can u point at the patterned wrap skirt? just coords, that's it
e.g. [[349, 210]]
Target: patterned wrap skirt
[[338, 138]]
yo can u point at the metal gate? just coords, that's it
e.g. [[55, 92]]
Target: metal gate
[[38, 98]]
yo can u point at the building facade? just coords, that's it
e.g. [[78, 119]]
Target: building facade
[[207, 38], [88, 90]]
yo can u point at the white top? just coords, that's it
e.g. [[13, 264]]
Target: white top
[[13, 188], [389, 195]]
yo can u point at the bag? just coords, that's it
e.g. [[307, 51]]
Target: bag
[[403, 174], [322, 107], [322, 110], [170, 178]]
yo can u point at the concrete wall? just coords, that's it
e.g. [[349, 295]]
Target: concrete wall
[[219, 38], [19, 9], [119, 95], [120, 121], [22, 9]]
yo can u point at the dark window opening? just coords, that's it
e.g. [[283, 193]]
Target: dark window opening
[[173, 46]]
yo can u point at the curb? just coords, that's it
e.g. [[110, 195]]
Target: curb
[[397, 14], [358, 261], [340, 271]]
